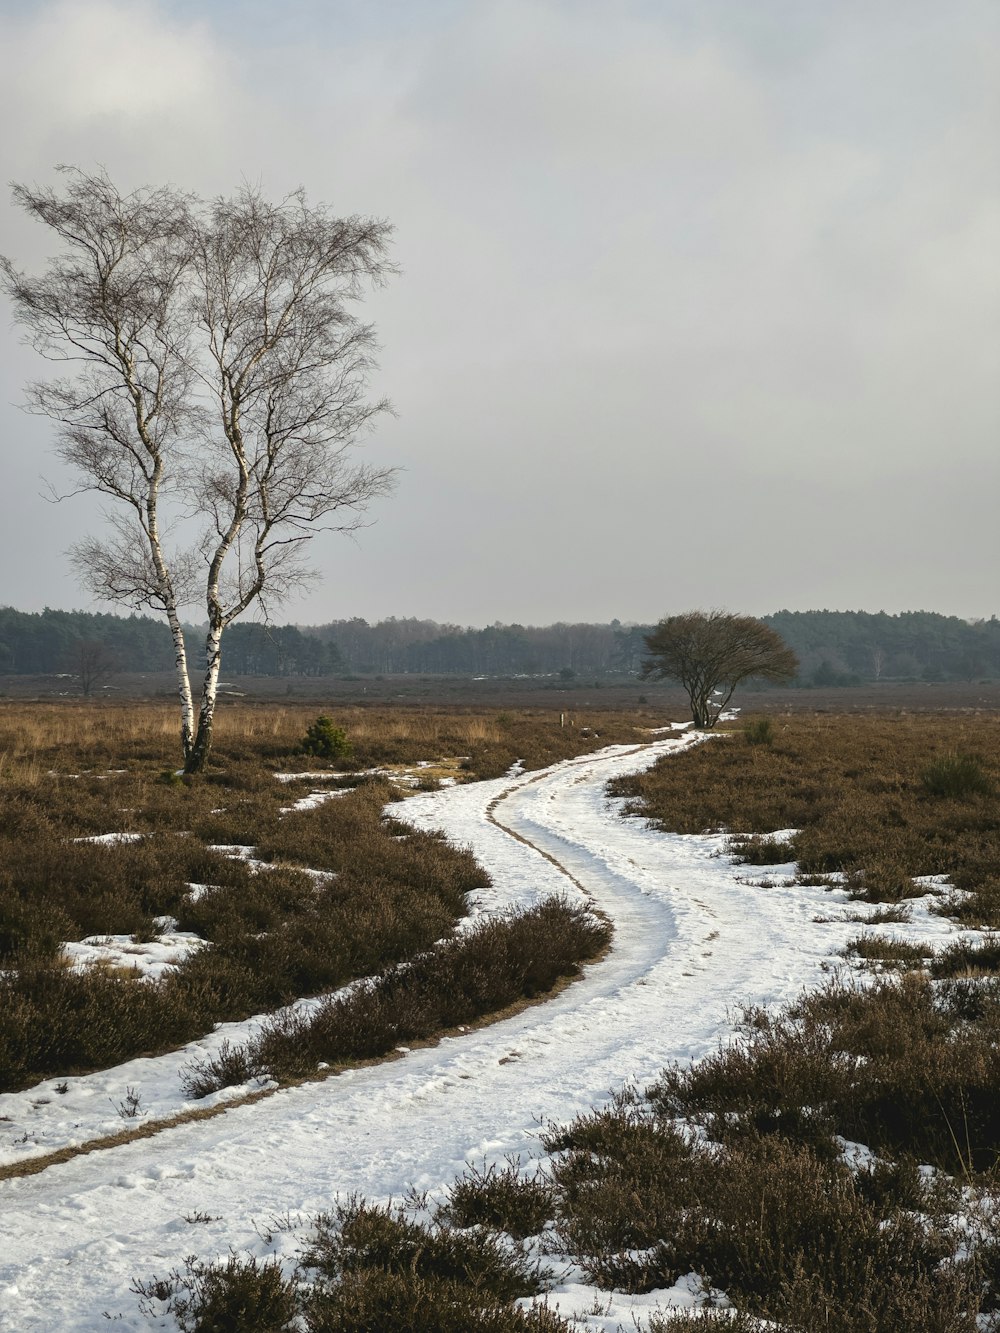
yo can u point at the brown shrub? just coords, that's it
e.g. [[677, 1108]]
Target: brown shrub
[[855, 790]]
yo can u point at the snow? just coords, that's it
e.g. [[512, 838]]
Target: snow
[[109, 839], [313, 800], [148, 960], [695, 936], [398, 774]]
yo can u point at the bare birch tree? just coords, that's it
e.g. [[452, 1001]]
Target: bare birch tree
[[218, 385]]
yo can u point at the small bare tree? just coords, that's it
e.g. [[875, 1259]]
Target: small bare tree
[[219, 384], [95, 664], [711, 652]]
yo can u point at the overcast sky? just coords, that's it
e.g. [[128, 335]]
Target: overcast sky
[[699, 301]]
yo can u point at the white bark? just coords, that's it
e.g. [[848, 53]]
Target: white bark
[[217, 357]]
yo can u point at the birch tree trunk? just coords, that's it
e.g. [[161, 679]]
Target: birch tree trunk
[[196, 754], [215, 361]]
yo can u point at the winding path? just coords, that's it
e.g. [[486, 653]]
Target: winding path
[[691, 941]]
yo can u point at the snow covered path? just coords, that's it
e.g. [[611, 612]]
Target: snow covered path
[[692, 939]]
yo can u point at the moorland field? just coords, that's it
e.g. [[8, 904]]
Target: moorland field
[[734, 1168], [331, 894], [606, 693]]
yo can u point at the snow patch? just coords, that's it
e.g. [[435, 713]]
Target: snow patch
[[149, 960]]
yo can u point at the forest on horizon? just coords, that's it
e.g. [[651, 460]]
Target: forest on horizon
[[833, 647]]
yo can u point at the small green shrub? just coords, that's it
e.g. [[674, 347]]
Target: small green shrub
[[957, 776], [759, 731], [326, 740]]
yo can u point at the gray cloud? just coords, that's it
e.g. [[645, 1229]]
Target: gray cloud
[[699, 304]]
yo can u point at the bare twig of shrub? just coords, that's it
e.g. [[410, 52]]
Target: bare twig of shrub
[[498, 962], [501, 1198], [364, 1268]]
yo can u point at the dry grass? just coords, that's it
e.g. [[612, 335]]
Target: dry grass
[[70, 736]]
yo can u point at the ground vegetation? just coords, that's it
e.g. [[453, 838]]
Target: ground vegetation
[[102, 838], [874, 803], [832, 1166]]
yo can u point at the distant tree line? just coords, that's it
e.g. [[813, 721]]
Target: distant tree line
[[833, 647], [49, 642], [271, 650], [64, 642], [396, 647], [847, 647]]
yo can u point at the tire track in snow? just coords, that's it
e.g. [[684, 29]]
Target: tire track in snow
[[148, 1128], [691, 940], [639, 927], [491, 810], [158, 1123]]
